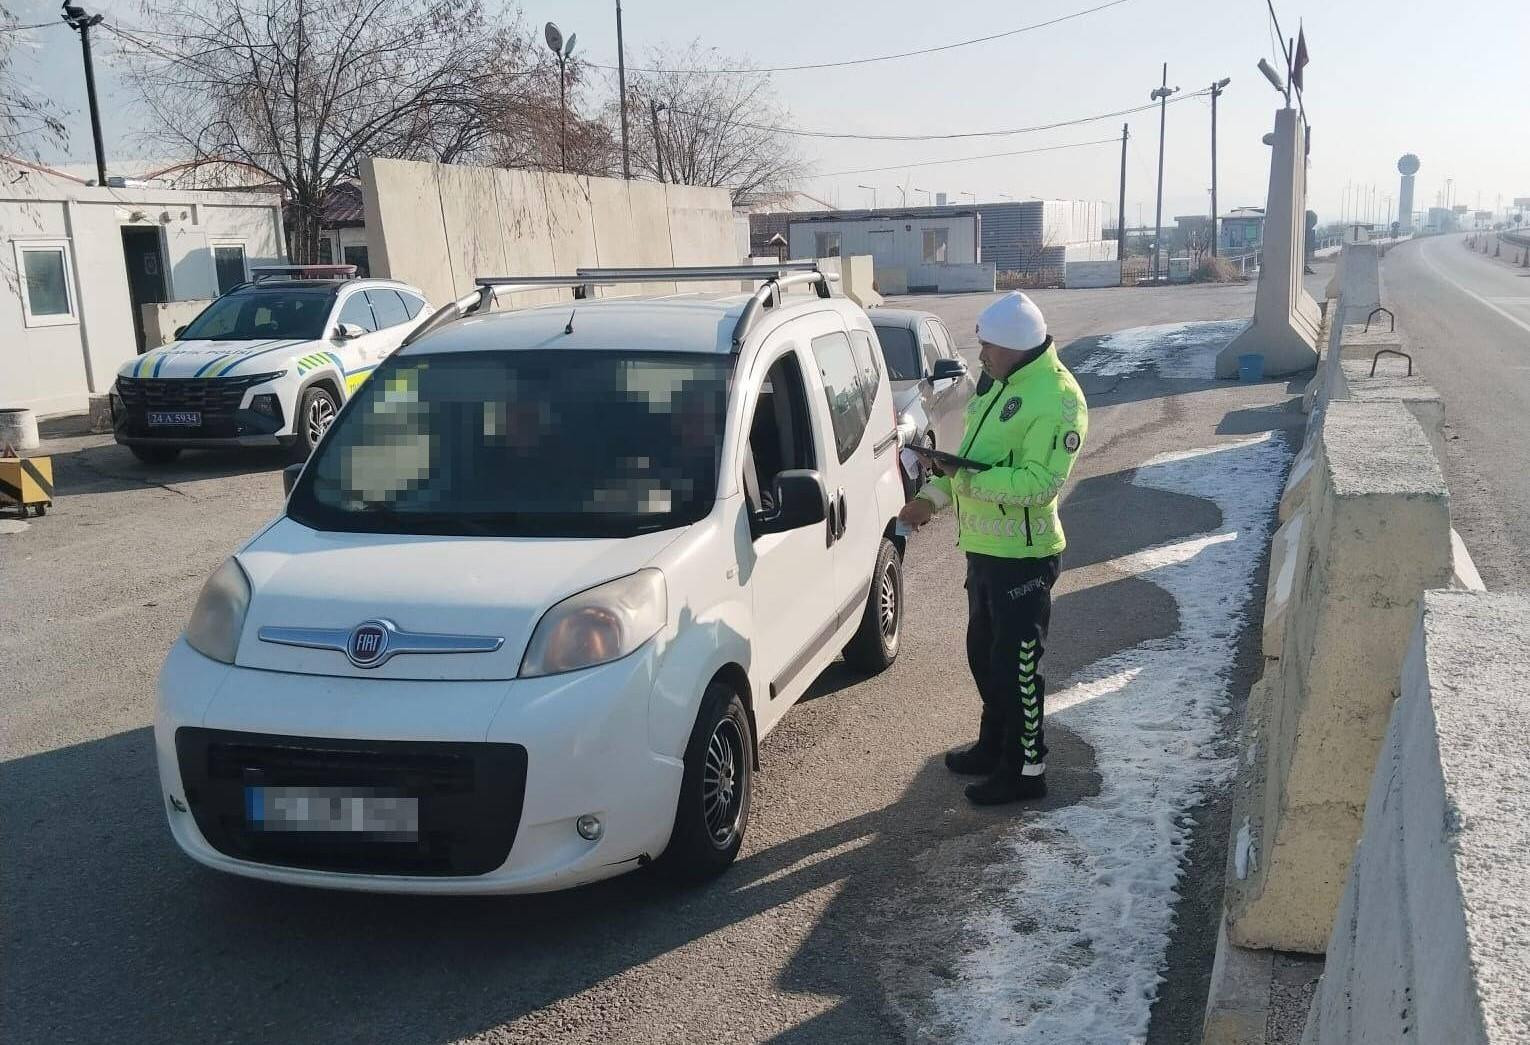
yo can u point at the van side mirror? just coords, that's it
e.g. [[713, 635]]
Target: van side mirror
[[801, 500], [289, 477], [948, 369]]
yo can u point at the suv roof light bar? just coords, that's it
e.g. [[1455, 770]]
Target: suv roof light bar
[[264, 272], [776, 278]]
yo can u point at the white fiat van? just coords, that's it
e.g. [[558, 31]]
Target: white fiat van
[[541, 589]]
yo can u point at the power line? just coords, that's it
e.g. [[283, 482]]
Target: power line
[[963, 159], [888, 57], [856, 136], [20, 28]]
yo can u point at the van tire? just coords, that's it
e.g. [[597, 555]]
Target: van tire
[[721, 743], [874, 646]]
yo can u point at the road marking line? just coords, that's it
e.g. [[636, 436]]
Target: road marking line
[[1428, 260]]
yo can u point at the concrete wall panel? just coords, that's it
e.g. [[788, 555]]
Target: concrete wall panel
[[406, 233], [1379, 536], [1084, 274], [1428, 944]]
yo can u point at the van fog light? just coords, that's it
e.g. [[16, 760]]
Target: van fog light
[[589, 827]]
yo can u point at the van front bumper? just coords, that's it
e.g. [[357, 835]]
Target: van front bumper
[[503, 773]]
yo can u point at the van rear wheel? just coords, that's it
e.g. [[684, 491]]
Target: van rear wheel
[[715, 791], [874, 646]]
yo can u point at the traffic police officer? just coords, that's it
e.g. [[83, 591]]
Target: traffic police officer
[[1028, 421]]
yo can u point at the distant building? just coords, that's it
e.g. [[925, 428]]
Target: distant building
[[1030, 237], [342, 228], [80, 264], [1242, 230]]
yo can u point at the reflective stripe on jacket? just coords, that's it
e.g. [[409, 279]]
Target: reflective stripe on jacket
[[1031, 426]]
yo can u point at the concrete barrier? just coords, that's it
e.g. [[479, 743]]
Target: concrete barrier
[[1357, 384], [1430, 943], [1374, 534], [1089, 274], [438, 226], [856, 277], [1285, 328], [1359, 276]]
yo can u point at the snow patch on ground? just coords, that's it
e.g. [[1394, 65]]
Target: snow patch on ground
[[1186, 351], [1072, 956]]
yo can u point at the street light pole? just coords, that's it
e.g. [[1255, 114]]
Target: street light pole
[[1216, 92], [621, 79], [561, 50], [1161, 96], [873, 189], [80, 22]]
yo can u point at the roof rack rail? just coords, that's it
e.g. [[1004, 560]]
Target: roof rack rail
[[775, 278]]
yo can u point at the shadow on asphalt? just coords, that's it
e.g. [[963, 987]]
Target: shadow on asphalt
[[114, 469], [112, 935], [1257, 419]]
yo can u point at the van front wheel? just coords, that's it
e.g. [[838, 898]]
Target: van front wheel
[[713, 810], [874, 646]]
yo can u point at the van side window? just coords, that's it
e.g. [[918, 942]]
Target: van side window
[[781, 434], [842, 386], [387, 306], [867, 358]]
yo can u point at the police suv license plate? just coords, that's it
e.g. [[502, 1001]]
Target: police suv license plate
[[175, 418], [333, 810]]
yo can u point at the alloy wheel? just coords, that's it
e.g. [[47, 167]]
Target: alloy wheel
[[722, 790]]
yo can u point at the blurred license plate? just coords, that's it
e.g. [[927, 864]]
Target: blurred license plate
[[332, 810], [175, 418]]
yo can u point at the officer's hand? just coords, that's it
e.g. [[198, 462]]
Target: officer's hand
[[916, 513]]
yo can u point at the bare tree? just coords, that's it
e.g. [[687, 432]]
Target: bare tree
[[27, 120], [722, 129], [301, 90]]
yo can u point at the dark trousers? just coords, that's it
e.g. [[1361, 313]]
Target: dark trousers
[[1009, 605]]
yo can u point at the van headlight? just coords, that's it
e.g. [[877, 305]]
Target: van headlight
[[598, 626], [219, 615]]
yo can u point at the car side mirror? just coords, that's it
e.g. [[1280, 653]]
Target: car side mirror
[[801, 500], [290, 477], [349, 331], [178, 332], [948, 369]]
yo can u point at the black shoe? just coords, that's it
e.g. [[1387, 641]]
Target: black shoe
[[978, 760], [1007, 785]]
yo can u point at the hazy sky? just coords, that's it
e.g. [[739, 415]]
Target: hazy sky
[[1450, 82]]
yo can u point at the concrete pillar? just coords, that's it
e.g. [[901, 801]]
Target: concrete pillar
[[1429, 944], [1285, 328], [1375, 535]]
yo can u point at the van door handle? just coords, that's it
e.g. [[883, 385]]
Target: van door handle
[[844, 512]]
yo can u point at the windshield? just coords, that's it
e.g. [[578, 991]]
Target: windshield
[[901, 352], [533, 444], [254, 314]]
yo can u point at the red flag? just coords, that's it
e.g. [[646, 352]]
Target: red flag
[[1299, 61]]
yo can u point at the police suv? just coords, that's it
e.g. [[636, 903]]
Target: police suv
[[268, 364], [540, 591]]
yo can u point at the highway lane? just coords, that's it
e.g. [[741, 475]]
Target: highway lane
[[1466, 319]]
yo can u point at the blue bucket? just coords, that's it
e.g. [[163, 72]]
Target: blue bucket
[[1251, 367]]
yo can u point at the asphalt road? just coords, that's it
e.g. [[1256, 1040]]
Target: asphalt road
[[1466, 319], [841, 917]]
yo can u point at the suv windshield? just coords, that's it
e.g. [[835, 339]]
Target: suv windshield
[[248, 315], [901, 352], [523, 444]]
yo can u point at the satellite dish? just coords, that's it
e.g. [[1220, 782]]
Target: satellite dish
[[554, 38], [569, 49]]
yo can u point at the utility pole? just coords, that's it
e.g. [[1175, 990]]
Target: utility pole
[[658, 142], [873, 190], [80, 22], [621, 79], [1121, 214], [1216, 92], [1161, 96]]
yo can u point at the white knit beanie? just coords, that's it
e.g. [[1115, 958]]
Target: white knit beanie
[[1013, 322]]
